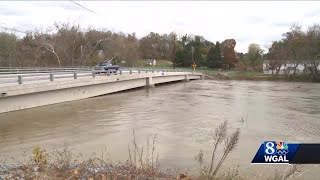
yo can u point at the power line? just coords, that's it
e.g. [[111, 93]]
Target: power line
[[10, 26], [12, 29], [83, 7]]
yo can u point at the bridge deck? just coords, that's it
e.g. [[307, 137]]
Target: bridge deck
[[38, 90], [35, 78]]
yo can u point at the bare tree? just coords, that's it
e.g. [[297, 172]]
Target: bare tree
[[92, 49], [50, 48]]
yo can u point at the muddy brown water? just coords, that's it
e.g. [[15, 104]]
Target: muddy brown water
[[183, 115]]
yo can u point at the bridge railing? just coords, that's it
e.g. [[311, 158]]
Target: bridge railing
[[23, 70], [46, 75]]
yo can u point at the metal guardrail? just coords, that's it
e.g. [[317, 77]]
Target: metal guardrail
[[18, 70], [60, 73], [22, 70]]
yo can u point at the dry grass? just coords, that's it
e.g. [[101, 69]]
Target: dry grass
[[289, 173], [230, 143], [143, 163], [145, 158], [61, 164]]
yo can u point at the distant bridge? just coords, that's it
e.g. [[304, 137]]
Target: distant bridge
[[22, 88]]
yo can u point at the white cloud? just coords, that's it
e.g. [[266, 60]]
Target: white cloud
[[247, 22]]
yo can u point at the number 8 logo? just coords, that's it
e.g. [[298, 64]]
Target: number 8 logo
[[269, 148]]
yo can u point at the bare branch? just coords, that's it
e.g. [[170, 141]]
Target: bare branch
[[50, 48]]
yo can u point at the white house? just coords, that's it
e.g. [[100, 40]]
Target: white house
[[151, 62], [286, 67], [100, 53]]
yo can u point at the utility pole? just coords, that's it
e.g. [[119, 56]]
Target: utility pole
[[192, 50], [174, 51]]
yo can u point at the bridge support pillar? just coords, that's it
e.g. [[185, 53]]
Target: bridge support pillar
[[20, 79], [75, 75], [51, 77], [186, 78], [149, 82]]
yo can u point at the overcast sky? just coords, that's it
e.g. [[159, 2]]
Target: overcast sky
[[245, 21]]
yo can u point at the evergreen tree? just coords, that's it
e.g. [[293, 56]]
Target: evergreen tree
[[214, 58]]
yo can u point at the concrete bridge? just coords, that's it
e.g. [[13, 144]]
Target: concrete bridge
[[32, 89]]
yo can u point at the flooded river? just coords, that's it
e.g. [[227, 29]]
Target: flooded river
[[183, 115]]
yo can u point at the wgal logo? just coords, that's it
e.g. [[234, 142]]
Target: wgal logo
[[275, 152]]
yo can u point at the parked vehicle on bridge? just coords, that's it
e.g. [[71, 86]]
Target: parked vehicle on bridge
[[106, 67]]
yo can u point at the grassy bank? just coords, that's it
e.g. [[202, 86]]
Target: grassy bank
[[229, 74], [256, 76], [235, 75]]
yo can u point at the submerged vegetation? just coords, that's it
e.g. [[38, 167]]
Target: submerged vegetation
[[253, 75]]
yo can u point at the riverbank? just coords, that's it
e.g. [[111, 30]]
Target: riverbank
[[65, 164], [88, 170], [253, 76], [234, 74], [142, 164], [63, 167]]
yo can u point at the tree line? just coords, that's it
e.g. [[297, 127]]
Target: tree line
[[296, 48], [67, 44]]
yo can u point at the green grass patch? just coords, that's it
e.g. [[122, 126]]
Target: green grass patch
[[234, 74], [159, 64]]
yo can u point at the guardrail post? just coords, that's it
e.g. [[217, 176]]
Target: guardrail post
[[20, 79], [139, 71], [152, 71], [93, 74], [75, 75], [146, 71], [130, 71], [120, 72], [51, 77], [108, 72]]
